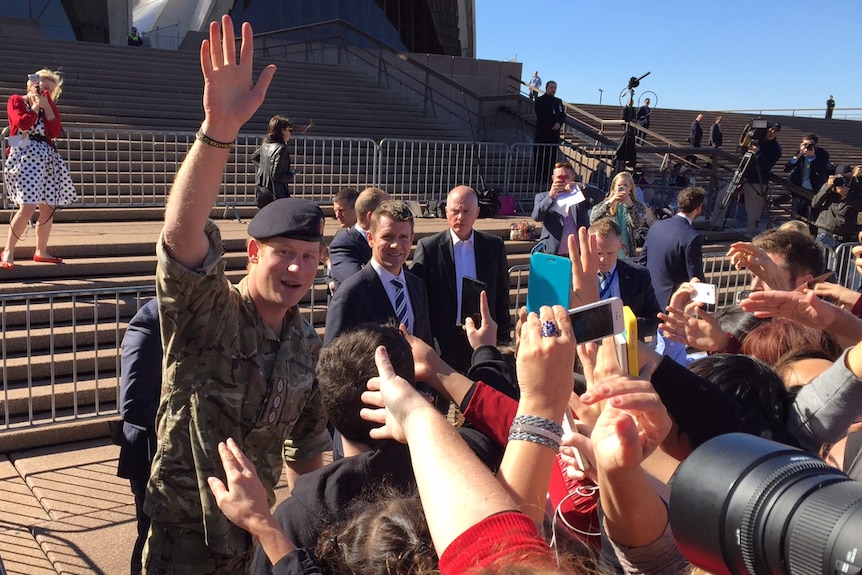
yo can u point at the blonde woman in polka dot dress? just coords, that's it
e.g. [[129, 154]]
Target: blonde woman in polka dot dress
[[34, 173]]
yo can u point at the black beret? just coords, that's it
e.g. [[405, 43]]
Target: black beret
[[288, 218]]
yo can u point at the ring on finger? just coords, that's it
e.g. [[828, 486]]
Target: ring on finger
[[549, 329]]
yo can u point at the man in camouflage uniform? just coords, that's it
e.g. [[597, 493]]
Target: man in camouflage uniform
[[238, 360]]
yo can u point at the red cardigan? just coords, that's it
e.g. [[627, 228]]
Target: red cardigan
[[22, 119], [491, 412], [509, 534]]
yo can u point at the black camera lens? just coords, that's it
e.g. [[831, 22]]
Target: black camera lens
[[809, 146], [744, 505], [839, 181]]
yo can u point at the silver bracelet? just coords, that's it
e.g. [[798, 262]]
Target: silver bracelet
[[536, 430], [540, 422], [533, 438]]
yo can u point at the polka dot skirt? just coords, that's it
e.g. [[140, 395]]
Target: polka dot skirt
[[35, 173]]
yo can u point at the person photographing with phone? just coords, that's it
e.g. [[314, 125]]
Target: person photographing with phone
[[34, 172], [562, 210], [622, 205]]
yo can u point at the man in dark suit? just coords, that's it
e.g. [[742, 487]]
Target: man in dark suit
[[618, 278], [809, 168], [349, 250], [140, 388], [550, 118], [558, 212], [716, 138], [673, 251], [442, 260], [373, 294]]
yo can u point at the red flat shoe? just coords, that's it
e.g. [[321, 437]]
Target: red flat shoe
[[44, 260], [4, 264]]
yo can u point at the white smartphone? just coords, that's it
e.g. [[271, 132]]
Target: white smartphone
[[597, 320], [704, 293], [569, 425]]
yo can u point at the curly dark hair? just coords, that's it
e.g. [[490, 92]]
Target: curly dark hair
[[385, 534]]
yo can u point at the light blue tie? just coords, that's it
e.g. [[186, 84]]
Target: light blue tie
[[401, 304]]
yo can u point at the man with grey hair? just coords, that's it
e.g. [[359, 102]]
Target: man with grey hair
[[445, 259]]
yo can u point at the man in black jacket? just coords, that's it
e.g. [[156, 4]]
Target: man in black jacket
[[550, 117], [839, 202], [755, 180], [809, 168]]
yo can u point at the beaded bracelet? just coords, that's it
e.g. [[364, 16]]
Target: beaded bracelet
[[540, 422], [532, 438], [210, 142], [536, 430]]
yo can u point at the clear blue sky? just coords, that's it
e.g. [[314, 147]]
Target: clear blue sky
[[718, 55]]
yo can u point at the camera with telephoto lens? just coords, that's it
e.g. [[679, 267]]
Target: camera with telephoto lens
[[744, 505], [839, 181]]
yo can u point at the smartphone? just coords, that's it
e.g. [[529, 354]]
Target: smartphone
[[471, 300], [569, 425], [597, 320], [550, 281], [704, 293]]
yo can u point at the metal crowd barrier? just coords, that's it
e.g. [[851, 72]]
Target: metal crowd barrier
[[64, 363], [134, 168]]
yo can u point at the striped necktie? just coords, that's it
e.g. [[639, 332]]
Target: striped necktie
[[401, 304], [603, 280]]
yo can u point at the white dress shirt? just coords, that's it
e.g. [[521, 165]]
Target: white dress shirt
[[386, 277], [465, 266]]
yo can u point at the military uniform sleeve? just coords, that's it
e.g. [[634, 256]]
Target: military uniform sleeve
[[309, 436]]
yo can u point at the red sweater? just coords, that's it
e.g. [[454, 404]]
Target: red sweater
[[492, 412], [22, 119], [506, 534]]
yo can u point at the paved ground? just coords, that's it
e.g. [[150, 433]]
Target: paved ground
[[64, 510]]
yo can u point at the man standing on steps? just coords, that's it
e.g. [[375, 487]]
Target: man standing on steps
[[550, 117], [238, 360], [716, 138], [444, 259]]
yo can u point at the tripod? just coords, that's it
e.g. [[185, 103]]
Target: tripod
[[720, 215]]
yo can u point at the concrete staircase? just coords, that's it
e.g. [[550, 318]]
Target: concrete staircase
[[134, 88]]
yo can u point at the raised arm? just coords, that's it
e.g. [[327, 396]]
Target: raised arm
[[230, 99], [442, 463]]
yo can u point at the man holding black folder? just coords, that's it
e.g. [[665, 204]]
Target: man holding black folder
[[456, 258]]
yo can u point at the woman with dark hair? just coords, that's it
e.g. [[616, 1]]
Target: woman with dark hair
[[273, 162], [35, 175]]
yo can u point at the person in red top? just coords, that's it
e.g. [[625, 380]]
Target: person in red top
[[34, 172]]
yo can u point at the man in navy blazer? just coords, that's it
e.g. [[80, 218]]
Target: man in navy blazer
[[140, 388], [560, 221], [618, 278], [673, 251], [349, 250], [370, 295], [443, 259]]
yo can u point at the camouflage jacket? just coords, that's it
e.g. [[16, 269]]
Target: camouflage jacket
[[226, 374]]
